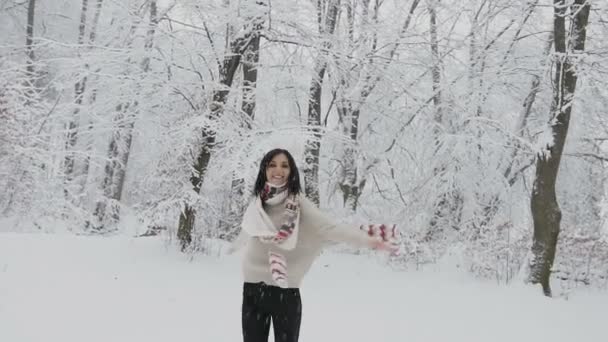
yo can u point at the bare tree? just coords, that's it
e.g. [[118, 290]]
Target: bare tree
[[546, 214], [349, 105], [29, 39], [490, 210], [120, 145], [356, 82], [449, 205], [249, 66], [436, 58], [84, 172], [237, 48], [79, 93], [327, 13], [29, 93], [522, 122]]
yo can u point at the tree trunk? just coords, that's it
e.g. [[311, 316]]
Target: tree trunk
[[473, 57], [490, 210], [114, 172], [546, 213], [251, 58], [349, 108], [526, 16], [120, 145], [448, 205], [82, 182], [443, 203], [493, 206], [237, 48], [249, 66], [188, 216], [30, 92], [93, 32], [72, 129], [436, 64], [526, 111], [354, 178], [313, 145], [29, 41]]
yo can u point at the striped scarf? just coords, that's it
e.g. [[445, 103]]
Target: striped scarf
[[257, 223], [274, 195]]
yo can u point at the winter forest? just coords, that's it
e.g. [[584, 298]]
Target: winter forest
[[478, 127]]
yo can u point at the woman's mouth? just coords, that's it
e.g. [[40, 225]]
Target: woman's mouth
[[277, 178]]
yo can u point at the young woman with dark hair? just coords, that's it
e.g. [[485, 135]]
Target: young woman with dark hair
[[282, 233]]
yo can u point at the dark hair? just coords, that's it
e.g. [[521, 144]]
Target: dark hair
[[293, 182]]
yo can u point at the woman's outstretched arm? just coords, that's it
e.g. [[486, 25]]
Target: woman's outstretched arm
[[374, 236]]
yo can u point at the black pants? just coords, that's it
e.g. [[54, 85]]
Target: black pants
[[261, 303]]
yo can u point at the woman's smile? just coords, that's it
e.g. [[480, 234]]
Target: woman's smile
[[278, 170]]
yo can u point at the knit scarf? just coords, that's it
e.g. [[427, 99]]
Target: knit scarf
[[257, 224]]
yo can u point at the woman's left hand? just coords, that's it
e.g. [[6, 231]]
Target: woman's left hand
[[384, 238], [390, 247]]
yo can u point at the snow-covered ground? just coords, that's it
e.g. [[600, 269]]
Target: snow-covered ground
[[73, 289]]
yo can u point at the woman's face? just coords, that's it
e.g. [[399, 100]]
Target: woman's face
[[277, 172]]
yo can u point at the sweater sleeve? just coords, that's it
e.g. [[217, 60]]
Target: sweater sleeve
[[332, 231], [239, 242]]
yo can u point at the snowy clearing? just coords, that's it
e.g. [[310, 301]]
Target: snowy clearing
[[72, 289]]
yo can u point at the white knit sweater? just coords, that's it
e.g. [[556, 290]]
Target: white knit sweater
[[315, 229]]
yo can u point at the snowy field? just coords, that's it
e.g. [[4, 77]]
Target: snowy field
[[74, 289]]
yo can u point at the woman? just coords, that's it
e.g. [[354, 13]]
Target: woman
[[283, 232]]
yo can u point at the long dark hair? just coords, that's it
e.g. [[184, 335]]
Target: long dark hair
[[293, 182]]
